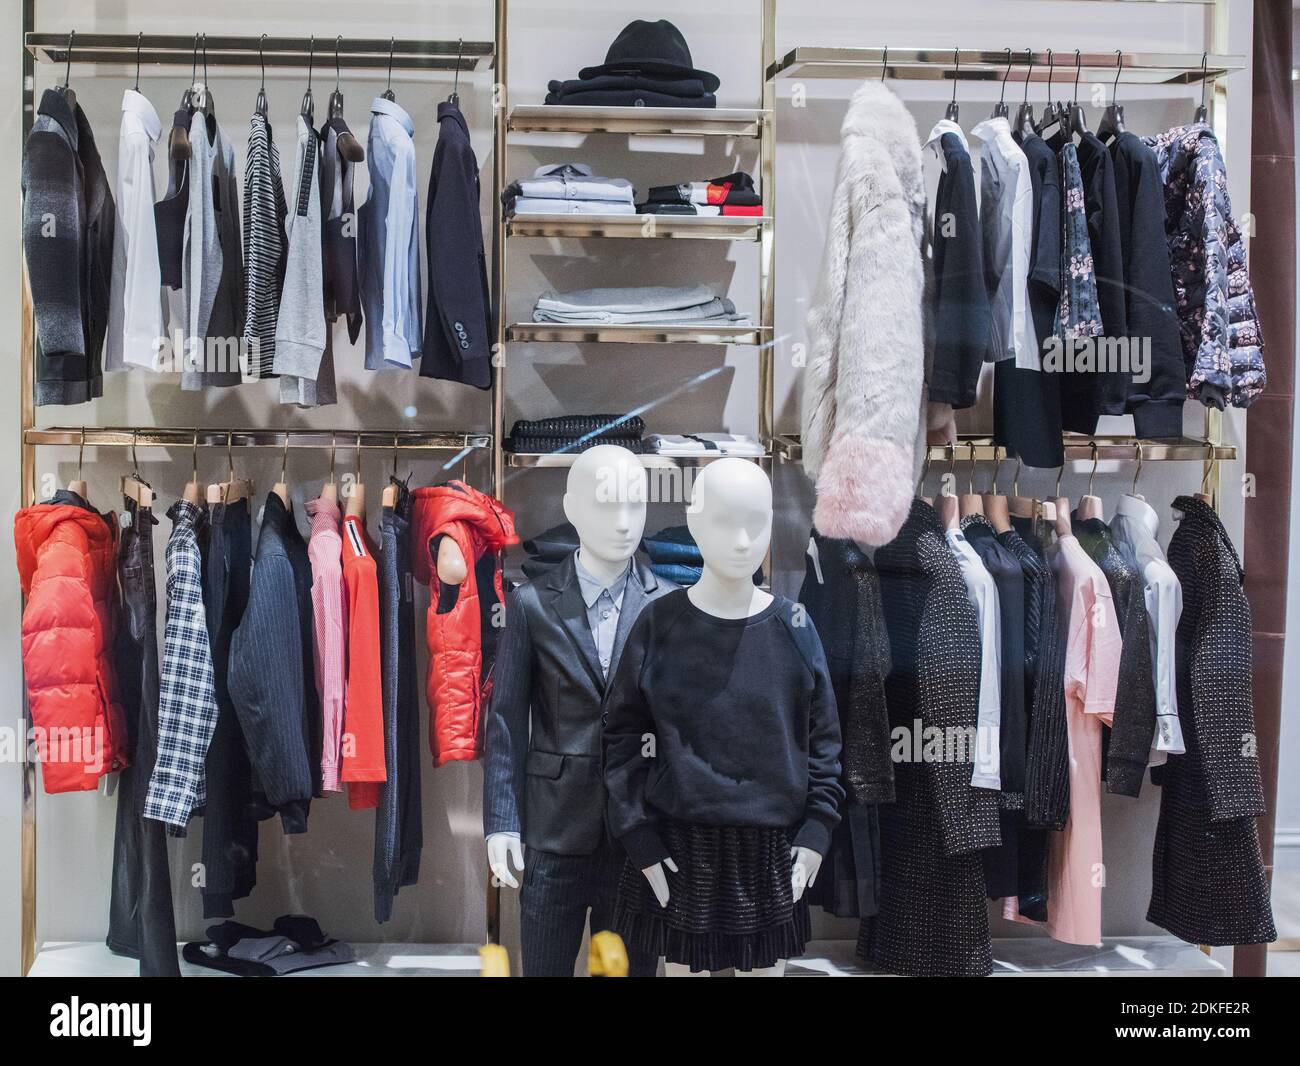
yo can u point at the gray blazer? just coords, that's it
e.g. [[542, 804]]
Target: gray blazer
[[542, 775]]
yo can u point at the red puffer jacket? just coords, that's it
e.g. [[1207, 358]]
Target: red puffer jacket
[[463, 619], [67, 561]]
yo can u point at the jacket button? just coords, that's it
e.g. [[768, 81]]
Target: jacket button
[[457, 327], [464, 344]]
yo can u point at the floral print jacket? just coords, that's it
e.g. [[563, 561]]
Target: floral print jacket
[[1222, 344]]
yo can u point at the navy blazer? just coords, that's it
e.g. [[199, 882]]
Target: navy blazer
[[458, 332]]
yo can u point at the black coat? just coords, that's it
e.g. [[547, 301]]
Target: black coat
[[933, 920], [68, 223], [542, 774], [1208, 883], [458, 334]]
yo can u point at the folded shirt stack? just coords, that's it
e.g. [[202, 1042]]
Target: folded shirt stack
[[293, 944], [637, 305], [674, 556], [568, 188], [648, 65], [694, 444], [550, 548], [729, 195], [576, 433]]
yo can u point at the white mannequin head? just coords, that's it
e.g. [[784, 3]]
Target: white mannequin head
[[730, 517], [605, 499]]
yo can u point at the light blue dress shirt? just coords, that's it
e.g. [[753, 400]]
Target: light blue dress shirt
[[388, 232], [604, 604]]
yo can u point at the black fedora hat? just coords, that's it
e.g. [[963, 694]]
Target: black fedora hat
[[651, 48]]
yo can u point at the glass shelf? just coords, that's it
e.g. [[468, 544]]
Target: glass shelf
[[552, 333], [654, 121], [717, 228]]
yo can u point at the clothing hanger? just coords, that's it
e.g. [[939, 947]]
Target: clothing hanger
[[1112, 122], [946, 502], [281, 487], [192, 492], [1051, 117], [1205, 495], [139, 40], [388, 498], [203, 94], [1059, 516], [950, 112], [1000, 108], [1090, 506], [925, 472], [454, 98], [308, 108], [971, 501], [78, 484], [996, 506], [1025, 113], [178, 141], [260, 107], [66, 90], [235, 488], [357, 497], [1020, 506], [133, 486], [330, 490], [1137, 474], [349, 148], [1202, 113], [1078, 120], [388, 93]]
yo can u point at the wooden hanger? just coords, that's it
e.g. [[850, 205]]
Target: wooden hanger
[[356, 507], [193, 492], [133, 486], [996, 506], [388, 498], [920, 489], [1205, 496], [233, 489], [1056, 511], [1090, 506], [946, 503], [1020, 506], [78, 484], [971, 501], [281, 487], [330, 490]]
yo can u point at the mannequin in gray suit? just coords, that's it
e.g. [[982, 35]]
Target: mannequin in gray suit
[[543, 792]]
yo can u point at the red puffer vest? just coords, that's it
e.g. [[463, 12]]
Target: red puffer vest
[[67, 562], [462, 623]]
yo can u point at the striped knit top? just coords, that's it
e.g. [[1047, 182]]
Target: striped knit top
[[265, 247]]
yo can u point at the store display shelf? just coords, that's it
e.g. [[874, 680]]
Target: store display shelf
[[973, 64], [644, 226], [179, 50], [549, 333], [155, 436], [788, 447], [530, 460], [651, 121]]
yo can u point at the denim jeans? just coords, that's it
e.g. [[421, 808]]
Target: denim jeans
[[229, 819], [140, 919], [557, 891]]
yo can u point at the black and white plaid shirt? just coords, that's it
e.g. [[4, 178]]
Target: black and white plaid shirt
[[187, 704]]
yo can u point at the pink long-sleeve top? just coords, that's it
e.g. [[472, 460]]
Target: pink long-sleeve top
[[329, 608]]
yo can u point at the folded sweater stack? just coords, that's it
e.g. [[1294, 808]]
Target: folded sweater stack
[[568, 188], [704, 444], [630, 90], [637, 305], [548, 549], [576, 433], [729, 195], [674, 556]]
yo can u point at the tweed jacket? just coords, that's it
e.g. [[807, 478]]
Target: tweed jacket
[[1222, 343]]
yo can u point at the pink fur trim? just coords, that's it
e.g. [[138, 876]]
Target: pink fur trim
[[864, 491]]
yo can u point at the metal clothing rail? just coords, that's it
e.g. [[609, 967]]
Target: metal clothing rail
[[975, 64], [179, 50], [154, 436]]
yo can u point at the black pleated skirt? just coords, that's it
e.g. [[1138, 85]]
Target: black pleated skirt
[[730, 904]]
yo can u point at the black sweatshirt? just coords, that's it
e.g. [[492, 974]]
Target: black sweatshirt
[[721, 722]]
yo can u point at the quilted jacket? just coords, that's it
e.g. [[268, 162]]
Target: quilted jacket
[[462, 623], [67, 563], [1222, 344]]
